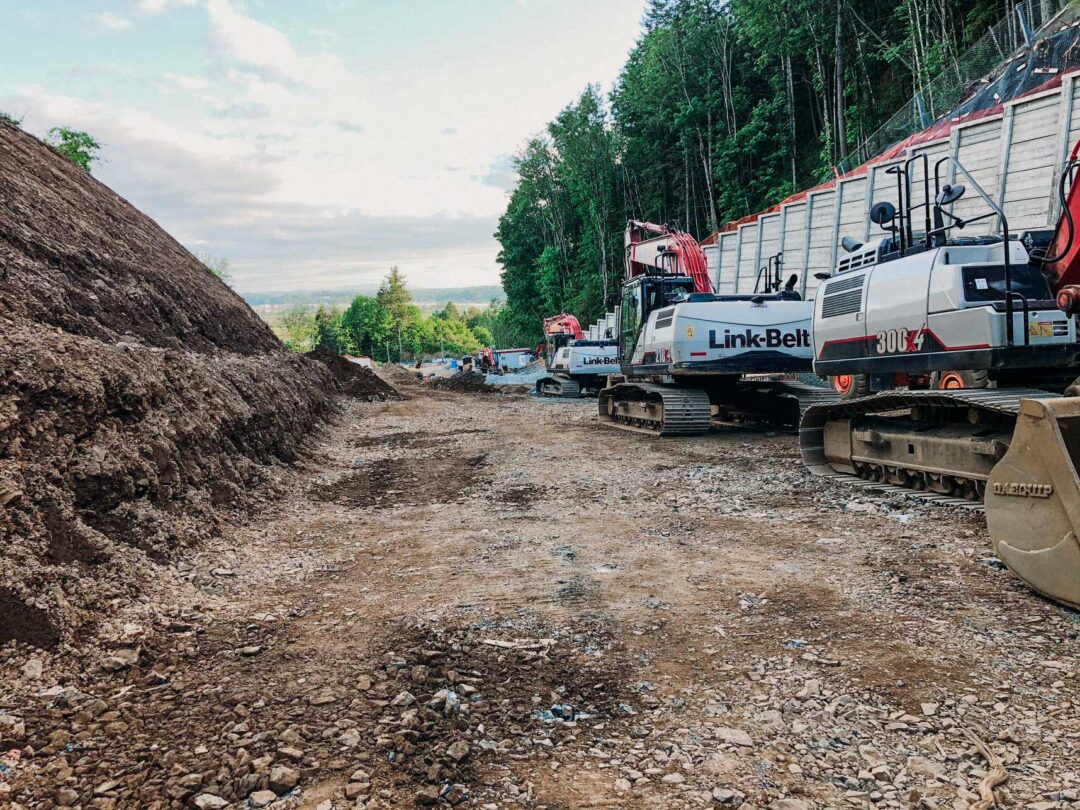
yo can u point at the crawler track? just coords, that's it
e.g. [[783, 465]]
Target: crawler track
[[990, 405], [558, 386]]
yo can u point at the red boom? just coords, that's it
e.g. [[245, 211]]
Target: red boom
[[671, 251]]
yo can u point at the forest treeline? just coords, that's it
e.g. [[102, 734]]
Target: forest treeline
[[389, 327], [723, 107]]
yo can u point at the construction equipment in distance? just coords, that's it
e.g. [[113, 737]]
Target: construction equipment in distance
[[951, 356], [686, 353], [576, 365]]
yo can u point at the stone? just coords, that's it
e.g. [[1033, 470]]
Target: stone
[[66, 797], [921, 766], [288, 752], [929, 709], [354, 790], [359, 775], [623, 785], [283, 779], [673, 779], [771, 719], [458, 750], [121, 659], [811, 688], [208, 801], [251, 650], [726, 797], [734, 736], [261, 798], [405, 698], [322, 698], [350, 738], [789, 804], [33, 668], [427, 796], [363, 683]]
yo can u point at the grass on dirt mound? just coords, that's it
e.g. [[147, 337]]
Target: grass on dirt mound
[[141, 400]]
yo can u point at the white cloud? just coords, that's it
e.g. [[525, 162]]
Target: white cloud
[[186, 82], [113, 22], [157, 6], [299, 164]]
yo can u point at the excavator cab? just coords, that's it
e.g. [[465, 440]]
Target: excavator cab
[[640, 297]]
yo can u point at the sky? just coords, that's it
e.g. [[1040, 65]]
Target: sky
[[313, 144]]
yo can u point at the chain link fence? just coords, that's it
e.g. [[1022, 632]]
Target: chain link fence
[[984, 75]]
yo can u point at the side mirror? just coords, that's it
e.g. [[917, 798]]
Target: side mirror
[[950, 194], [850, 245], [882, 213]]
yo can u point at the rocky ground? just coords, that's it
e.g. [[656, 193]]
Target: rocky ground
[[491, 601]]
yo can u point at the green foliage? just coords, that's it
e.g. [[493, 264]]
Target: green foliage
[[77, 146], [219, 266], [297, 330], [389, 326], [9, 119], [723, 107]]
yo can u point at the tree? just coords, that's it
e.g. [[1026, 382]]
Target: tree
[[394, 298], [366, 325], [297, 330], [9, 119], [77, 146], [723, 108]]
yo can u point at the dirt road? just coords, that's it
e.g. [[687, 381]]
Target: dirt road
[[491, 601]]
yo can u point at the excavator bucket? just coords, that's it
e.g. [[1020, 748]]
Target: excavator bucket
[[1033, 499]]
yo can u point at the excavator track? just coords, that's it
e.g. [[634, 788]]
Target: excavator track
[[558, 386], [659, 410], [665, 410], [874, 430]]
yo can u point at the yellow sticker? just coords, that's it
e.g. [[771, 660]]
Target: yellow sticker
[[1041, 329], [689, 331]]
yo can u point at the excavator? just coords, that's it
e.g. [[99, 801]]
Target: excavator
[[687, 354], [575, 365], [955, 359]]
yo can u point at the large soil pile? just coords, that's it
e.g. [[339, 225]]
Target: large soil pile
[[353, 379], [140, 398]]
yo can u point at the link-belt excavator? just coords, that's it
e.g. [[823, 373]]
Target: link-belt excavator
[[956, 361], [686, 353], [576, 365]]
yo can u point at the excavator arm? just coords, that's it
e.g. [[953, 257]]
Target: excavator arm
[[651, 247]]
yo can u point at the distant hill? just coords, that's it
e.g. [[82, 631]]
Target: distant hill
[[425, 298]]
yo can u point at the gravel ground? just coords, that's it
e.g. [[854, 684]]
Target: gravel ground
[[496, 602]]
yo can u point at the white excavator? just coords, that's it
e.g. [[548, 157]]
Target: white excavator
[[956, 359], [687, 354], [576, 364]]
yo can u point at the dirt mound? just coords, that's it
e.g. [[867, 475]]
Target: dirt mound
[[396, 374], [353, 379], [469, 382], [141, 399]]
